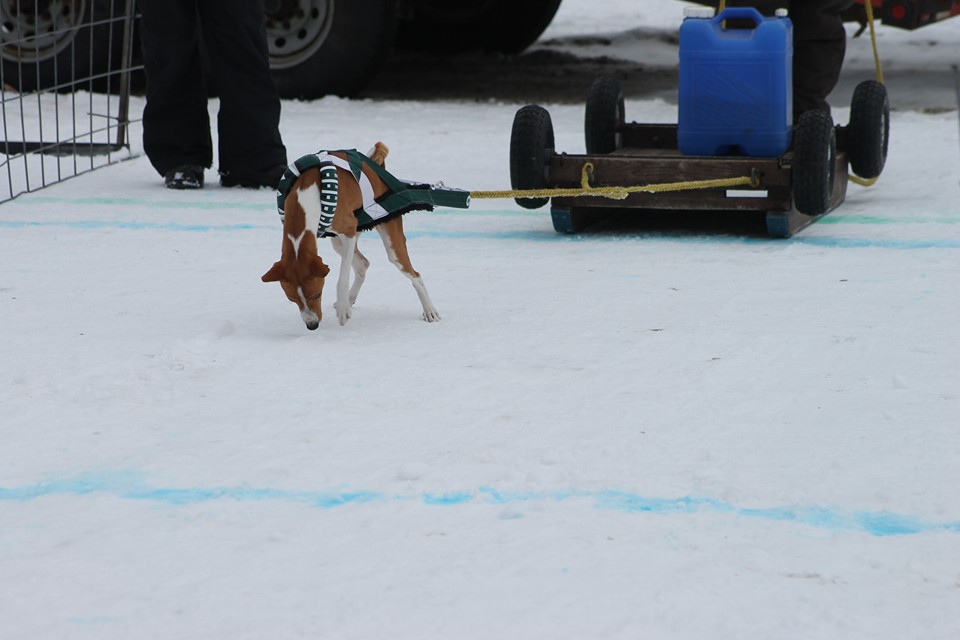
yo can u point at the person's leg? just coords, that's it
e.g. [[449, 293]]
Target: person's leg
[[176, 127], [819, 44], [251, 150]]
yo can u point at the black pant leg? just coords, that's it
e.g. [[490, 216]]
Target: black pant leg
[[176, 126], [248, 121], [819, 46]]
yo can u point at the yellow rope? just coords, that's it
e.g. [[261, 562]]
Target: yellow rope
[[863, 182], [615, 193], [868, 5]]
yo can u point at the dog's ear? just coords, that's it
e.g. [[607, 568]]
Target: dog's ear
[[319, 269], [275, 274]]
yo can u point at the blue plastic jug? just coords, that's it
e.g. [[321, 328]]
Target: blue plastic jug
[[736, 85]]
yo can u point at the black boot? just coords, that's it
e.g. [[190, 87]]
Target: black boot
[[188, 176], [269, 177]]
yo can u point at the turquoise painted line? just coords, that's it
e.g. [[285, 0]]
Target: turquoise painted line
[[268, 205], [95, 225], [446, 499], [875, 523], [131, 486], [543, 235], [887, 220], [870, 243], [167, 203], [550, 236]]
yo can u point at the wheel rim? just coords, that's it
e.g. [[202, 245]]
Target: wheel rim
[[38, 35], [296, 29]]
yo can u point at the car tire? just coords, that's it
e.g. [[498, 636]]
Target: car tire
[[502, 26], [60, 45], [323, 47]]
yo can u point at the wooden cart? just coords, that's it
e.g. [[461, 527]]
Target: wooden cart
[[793, 190]]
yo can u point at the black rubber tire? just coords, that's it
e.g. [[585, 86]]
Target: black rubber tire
[[531, 145], [344, 43], [68, 44], [869, 129], [503, 26], [604, 116], [814, 154]]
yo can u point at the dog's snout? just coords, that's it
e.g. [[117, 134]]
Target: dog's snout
[[311, 319]]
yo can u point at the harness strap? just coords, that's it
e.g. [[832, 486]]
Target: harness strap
[[330, 185], [329, 190], [401, 195], [370, 204]]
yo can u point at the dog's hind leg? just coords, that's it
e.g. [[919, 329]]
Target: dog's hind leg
[[391, 232], [346, 246]]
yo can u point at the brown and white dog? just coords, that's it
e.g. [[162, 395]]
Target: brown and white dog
[[300, 270]]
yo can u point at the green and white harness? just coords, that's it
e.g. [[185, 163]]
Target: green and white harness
[[402, 195]]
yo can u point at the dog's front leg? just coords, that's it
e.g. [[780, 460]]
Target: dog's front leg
[[346, 247], [360, 266]]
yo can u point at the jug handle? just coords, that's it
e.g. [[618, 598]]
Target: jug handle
[[749, 13]]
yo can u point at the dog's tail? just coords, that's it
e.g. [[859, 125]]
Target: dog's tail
[[379, 153]]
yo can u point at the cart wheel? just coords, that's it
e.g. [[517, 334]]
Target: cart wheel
[[868, 129], [604, 116], [531, 144], [814, 153]]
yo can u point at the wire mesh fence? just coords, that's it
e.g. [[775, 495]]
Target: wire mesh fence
[[66, 73]]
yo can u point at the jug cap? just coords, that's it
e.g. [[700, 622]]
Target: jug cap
[[781, 13], [698, 12]]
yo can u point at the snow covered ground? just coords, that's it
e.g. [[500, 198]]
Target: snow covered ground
[[631, 433]]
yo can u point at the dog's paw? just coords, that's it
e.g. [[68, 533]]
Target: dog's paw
[[431, 315], [344, 312]]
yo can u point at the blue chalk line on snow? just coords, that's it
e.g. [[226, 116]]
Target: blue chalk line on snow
[[523, 235], [130, 486]]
